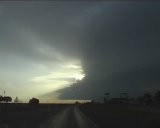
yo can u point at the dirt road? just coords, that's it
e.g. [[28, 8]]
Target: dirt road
[[70, 117]]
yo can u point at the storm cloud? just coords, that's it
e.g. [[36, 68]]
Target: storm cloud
[[121, 52], [45, 45]]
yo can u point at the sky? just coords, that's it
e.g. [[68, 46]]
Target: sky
[[59, 50]]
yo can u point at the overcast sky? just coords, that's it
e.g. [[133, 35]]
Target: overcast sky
[[79, 50]]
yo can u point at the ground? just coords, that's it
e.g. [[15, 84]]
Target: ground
[[126, 116], [25, 115], [79, 116]]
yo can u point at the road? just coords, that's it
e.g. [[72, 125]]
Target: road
[[70, 117]]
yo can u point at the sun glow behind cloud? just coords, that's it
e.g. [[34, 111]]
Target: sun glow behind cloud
[[63, 76], [36, 68]]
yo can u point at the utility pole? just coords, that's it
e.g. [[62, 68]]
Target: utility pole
[[4, 93]]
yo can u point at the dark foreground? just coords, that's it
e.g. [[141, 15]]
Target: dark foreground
[[78, 116], [70, 117], [27, 116], [123, 115]]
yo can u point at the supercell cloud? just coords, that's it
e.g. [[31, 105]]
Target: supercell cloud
[[46, 48]]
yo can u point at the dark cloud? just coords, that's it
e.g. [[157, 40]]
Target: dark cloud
[[134, 81], [119, 51], [117, 43]]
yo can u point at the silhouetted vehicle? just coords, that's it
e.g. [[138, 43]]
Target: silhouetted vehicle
[[34, 101]]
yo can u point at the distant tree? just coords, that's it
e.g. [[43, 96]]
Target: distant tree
[[76, 102], [106, 93], [7, 99], [157, 95], [147, 98], [124, 95], [106, 97], [131, 100], [16, 100], [140, 99], [92, 101], [1, 98], [34, 101]]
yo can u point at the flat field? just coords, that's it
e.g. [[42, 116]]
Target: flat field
[[122, 115], [102, 115], [25, 115]]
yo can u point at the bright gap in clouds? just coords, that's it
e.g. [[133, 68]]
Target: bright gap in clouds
[[36, 68], [79, 76], [63, 76]]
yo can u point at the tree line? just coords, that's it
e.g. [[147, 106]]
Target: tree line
[[5, 99], [147, 98]]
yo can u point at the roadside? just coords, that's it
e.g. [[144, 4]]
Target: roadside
[[114, 116], [25, 116]]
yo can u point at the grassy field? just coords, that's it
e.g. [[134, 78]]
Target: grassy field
[[125, 116], [25, 115]]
